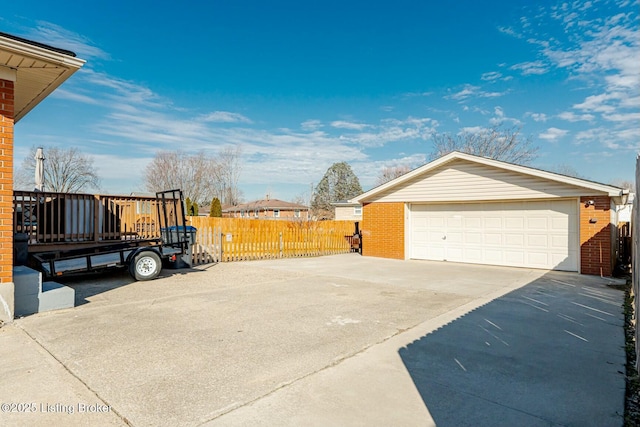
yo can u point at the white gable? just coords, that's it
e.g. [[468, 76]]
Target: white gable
[[462, 180]]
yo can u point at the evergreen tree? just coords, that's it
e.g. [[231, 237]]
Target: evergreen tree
[[215, 211], [191, 208], [338, 183]]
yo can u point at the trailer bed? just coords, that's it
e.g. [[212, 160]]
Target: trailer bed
[[69, 234]]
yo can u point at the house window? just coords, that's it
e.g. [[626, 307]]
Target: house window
[[276, 213], [357, 211], [242, 213], [256, 213], [296, 213]]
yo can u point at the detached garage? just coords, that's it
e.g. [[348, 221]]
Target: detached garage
[[464, 208]]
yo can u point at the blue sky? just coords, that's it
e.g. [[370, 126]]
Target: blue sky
[[302, 85]]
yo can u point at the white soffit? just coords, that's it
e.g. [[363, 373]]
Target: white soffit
[[37, 69]]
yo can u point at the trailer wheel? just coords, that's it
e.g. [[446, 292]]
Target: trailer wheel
[[145, 266]]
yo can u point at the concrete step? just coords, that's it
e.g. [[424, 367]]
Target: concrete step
[[34, 296], [27, 281], [56, 296]]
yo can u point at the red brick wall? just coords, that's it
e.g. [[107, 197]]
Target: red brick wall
[[596, 237], [383, 230], [6, 181]]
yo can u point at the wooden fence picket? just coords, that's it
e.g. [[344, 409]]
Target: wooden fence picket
[[238, 239]]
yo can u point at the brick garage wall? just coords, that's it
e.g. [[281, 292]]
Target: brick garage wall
[[383, 230], [6, 180], [596, 243]]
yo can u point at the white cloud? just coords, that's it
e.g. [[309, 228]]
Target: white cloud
[[225, 117], [309, 125], [527, 68], [599, 103], [54, 35], [490, 76], [623, 117], [537, 117], [572, 117], [472, 130], [341, 124], [553, 134], [469, 91]]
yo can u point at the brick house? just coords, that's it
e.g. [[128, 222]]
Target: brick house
[[29, 72], [471, 209], [267, 209]]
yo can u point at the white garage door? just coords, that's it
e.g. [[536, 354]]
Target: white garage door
[[540, 234]]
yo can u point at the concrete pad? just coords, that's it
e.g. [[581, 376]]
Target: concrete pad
[[321, 341], [36, 390]]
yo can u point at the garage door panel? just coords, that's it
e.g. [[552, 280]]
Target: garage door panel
[[473, 223], [514, 258], [435, 236], [493, 239], [436, 253], [512, 239], [436, 221], [514, 223], [473, 238], [454, 237], [454, 221], [492, 222], [540, 259], [537, 223], [540, 234], [493, 256], [473, 255], [559, 241], [537, 241], [559, 224]]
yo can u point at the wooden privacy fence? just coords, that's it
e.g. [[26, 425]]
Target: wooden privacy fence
[[236, 239]]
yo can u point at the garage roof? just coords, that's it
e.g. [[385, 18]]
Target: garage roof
[[37, 70], [456, 155]]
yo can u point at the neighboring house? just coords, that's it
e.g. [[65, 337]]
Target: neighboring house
[[471, 209], [267, 209], [204, 210], [345, 210], [29, 72]]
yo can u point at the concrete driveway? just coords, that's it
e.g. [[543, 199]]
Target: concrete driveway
[[340, 340]]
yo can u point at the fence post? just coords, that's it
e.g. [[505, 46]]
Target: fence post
[[281, 245]]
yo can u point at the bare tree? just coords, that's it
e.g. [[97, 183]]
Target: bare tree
[[497, 142], [227, 176], [193, 174], [389, 173], [201, 177], [565, 169], [66, 170], [625, 184]]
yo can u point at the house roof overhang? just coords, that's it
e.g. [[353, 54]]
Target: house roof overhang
[[618, 194], [35, 68]]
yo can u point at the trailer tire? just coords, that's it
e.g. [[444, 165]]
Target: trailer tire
[[145, 265]]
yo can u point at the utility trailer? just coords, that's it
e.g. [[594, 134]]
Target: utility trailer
[[62, 234]]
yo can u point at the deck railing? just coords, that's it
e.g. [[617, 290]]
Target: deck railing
[[48, 218]]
